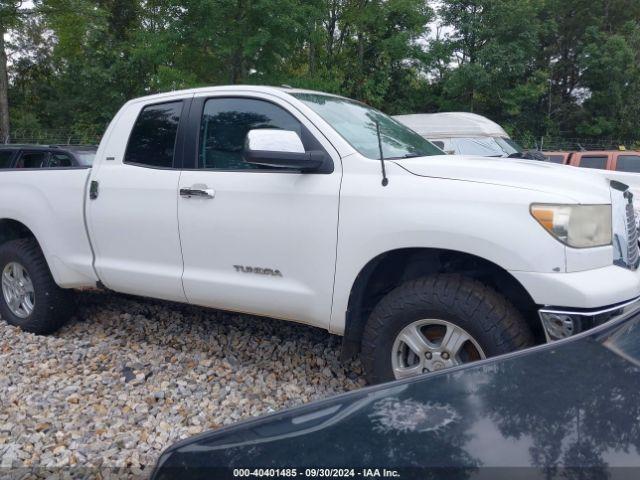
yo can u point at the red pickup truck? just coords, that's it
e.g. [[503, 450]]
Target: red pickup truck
[[616, 160]]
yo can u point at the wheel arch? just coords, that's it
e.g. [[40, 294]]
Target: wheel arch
[[11, 229], [392, 268]]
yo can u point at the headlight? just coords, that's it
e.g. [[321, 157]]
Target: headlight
[[577, 226]]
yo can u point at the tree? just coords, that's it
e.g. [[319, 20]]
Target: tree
[[9, 17], [494, 46], [537, 67]]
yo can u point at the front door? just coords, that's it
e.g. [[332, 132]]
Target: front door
[[256, 240]]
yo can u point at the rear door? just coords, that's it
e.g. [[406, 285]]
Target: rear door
[[263, 240], [134, 219]]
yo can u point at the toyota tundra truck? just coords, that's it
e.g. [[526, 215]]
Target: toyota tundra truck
[[313, 208]]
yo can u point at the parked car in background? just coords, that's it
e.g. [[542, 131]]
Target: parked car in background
[[311, 207], [570, 408], [619, 165], [46, 156], [463, 133], [561, 158], [625, 161]]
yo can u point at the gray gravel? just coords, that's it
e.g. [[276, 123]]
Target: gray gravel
[[128, 377]]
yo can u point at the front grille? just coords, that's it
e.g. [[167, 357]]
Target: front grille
[[624, 227], [632, 235]]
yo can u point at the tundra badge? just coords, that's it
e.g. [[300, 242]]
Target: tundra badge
[[258, 270]]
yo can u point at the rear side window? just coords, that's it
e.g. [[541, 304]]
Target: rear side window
[[628, 163], [153, 137], [60, 160], [5, 158], [593, 162], [33, 160], [555, 159]]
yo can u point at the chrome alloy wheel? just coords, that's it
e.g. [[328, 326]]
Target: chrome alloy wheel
[[429, 345], [18, 290]]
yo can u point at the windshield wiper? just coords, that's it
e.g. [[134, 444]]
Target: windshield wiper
[[406, 155]]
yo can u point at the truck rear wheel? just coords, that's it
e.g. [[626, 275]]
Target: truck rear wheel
[[438, 322], [30, 298]]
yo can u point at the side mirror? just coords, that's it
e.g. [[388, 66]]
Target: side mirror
[[280, 149]]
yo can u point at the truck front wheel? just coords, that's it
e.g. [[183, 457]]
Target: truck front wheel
[[438, 322], [30, 298]]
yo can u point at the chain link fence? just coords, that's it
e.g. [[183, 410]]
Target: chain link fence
[[54, 137], [92, 136], [554, 144]]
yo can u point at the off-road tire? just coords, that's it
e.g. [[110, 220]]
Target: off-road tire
[[53, 306], [492, 320]]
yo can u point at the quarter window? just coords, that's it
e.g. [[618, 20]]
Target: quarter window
[[225, 124], [153, 138], [5, 158], [628, 163], [594, 162]]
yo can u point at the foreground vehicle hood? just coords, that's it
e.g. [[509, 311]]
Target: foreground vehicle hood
[[570, 405], [582, 185]]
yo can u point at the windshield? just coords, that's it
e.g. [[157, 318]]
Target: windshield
[[356, 123], [484, 146]]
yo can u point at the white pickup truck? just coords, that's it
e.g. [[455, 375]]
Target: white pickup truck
[[313, 208]]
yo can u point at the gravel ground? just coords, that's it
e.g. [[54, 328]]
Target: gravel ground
[[128, 377]]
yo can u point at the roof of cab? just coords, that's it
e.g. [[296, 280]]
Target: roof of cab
[[278, 91], [451, 124]]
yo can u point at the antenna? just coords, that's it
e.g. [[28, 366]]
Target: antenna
[[385, 180]]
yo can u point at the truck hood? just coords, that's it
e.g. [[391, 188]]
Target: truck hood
[[581, 185]]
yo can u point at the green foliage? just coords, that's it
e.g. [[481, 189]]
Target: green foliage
[[538, 67]]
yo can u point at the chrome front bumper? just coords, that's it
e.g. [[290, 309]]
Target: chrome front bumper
[[564, 323]]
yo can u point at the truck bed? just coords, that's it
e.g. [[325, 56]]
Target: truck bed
[[50, 203]]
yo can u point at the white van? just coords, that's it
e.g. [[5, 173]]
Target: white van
[[462, 133]]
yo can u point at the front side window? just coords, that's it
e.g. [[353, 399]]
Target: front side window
[[359, 124], [628, 163], [594, 162], [225, 124], [5, 158], [32, 160], [60, 160], [153, 137]]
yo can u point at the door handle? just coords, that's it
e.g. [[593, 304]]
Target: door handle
[[197, 193]]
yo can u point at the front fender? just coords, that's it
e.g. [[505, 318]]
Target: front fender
[[488, 221]]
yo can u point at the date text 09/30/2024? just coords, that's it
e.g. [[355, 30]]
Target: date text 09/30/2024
[[315, 473]]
